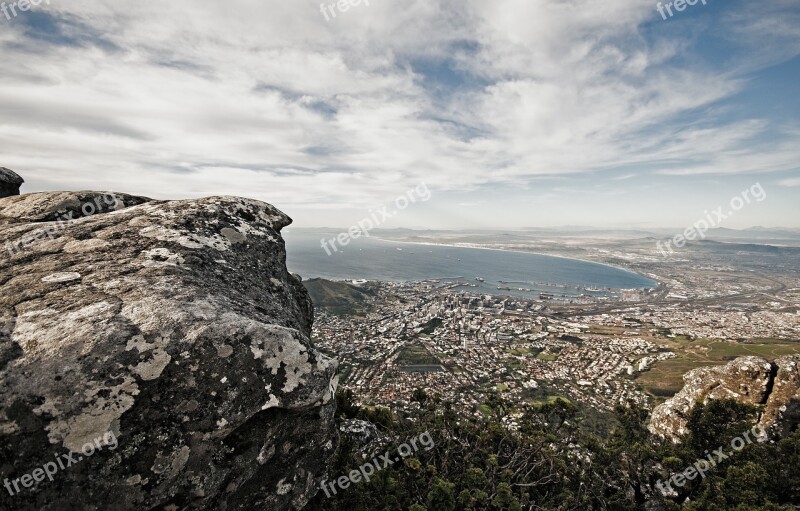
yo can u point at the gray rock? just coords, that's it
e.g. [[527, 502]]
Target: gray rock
[[367, 440], [365, 435], [10, 182], [359, 431], [169, 338], [782, 410], [774, 387]]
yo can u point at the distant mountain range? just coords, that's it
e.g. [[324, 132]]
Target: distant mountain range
[[757, 234]]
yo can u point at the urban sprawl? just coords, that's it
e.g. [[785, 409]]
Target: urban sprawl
[[464, 347]]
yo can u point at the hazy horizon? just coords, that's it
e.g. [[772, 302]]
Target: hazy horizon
[[557, 228]]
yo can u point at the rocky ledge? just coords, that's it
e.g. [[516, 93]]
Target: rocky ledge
[[159, 352], [774, 387]]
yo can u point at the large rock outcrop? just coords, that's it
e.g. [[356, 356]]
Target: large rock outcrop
[[10, 182], [774, 387], [166, 338]]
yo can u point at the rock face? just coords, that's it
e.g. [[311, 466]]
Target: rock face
[[752, 380], [365, 436], [159, 352], [782, 412], [10, 182]]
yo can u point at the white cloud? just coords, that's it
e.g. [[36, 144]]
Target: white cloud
[[267, 99]]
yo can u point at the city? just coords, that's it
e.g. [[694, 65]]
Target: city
[[596, 351]]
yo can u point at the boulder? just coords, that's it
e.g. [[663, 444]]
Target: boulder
[[10, 182], [159, 352], [365, 436], [773, 387]]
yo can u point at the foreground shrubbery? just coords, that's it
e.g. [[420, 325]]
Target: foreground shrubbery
[[551, 463]]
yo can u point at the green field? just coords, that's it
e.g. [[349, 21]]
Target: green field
[[606, 330], [520, 351], [549, 400], [416, 355]]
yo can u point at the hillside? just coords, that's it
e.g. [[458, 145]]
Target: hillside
[[339, 298]]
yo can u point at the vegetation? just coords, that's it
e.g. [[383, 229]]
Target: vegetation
[[548, 462], [415, 354], [547, 357], [430, 326], [339, 298]]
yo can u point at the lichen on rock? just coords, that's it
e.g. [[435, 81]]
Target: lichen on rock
[[176, 326]]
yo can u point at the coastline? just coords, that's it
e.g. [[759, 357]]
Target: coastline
[[479, 247]]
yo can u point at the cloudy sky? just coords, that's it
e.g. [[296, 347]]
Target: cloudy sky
[[514, 113]]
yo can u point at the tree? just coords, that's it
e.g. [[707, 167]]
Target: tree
[[505, 499], [442, 496], [419, 396], [715, 423]]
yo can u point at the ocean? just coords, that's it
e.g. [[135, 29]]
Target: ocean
[[479, 270]]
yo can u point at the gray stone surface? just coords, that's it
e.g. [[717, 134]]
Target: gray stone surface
[[773, 387], [10, 182], [782, 409], [365, 435], [173, 326]]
